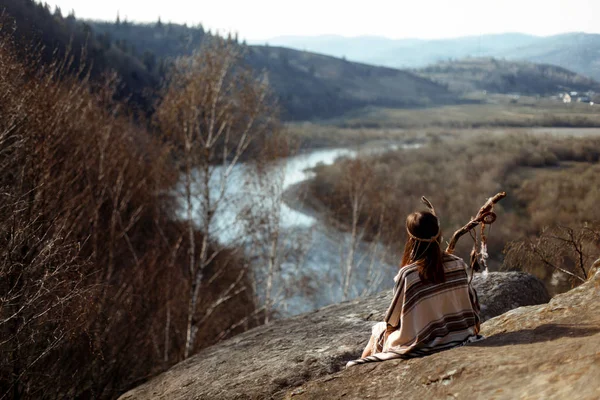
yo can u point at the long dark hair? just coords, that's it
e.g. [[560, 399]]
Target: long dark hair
[[423, 246]]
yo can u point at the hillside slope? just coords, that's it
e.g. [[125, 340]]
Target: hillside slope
[[45, 35], [578, 52], [405, 53], [311, 85], [501, 76], [308, 85], [269, 361]]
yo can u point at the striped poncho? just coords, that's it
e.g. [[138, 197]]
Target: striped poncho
[[425, 318]]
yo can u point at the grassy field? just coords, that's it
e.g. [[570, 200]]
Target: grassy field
[[497, 114], [496, 111]]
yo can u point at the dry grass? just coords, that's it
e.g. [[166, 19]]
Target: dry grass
[[496, 112], [315, 135], [549, 180]]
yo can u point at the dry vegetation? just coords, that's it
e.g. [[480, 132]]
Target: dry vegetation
[[550, 181], [495, 111], [94, 264], [502, 76], [313, 135], [214, 110]]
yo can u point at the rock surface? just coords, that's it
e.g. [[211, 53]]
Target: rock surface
[[272, 360], [549, 351], [500, 292]]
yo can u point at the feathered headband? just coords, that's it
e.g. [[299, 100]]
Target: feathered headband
[[430, 240], [433, 238]]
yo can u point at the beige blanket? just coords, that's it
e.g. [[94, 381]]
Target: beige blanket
[[425, 318]]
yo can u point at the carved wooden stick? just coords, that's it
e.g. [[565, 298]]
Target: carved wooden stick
[[483, 212]]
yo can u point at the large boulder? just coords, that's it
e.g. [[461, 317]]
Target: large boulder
[[500, 292], [271, 360]]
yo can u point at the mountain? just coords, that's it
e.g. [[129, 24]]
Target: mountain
[[501, 76], [431, 51], [405, 53], [308, 85], [45, 35], [579, 52], [311, 85]]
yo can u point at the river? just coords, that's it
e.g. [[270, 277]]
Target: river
[[312, 251]]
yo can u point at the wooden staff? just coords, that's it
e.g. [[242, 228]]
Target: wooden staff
[[484, 215]]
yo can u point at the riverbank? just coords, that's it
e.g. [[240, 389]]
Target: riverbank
[[310, 136], [550, 178], [297, 197]]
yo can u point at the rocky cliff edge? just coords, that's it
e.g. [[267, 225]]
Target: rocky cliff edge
[[540, 351]]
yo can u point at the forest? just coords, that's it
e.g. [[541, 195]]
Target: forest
[[104, 283]]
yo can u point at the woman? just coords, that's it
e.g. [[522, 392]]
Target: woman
[[434, 308]]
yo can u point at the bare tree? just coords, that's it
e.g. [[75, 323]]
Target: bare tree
[[211, 111], [90, 246], [561, 249], [356, 182], [263, 224], [278, 251], [362, 252]]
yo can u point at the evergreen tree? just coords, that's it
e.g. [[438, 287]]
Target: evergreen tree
[[104, 40], [149, 60]]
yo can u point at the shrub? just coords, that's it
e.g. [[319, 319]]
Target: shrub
[[458, 175], [91, 251]]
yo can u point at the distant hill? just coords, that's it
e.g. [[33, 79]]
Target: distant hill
[[500, 76], [405, 53], [578, 52], [311, 85], [35, 24], [427, 52], [308, 85]]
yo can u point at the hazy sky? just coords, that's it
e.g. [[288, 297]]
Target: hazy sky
[[257, 20]]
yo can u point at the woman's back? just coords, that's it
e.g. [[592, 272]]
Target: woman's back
[[434, 307], [431, 316]]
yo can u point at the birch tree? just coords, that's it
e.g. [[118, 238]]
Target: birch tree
[[362, 215], [277, 251], [214, 112]]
